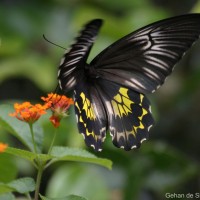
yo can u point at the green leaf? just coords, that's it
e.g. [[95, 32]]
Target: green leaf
[[79, 155], [61, 154], [22, 186], [20, 129], [28, 155], [70, 197], [4, 188], [7, 196], [8, 168], [82, 180]]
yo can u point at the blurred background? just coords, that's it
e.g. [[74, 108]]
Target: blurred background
[[168, 162]]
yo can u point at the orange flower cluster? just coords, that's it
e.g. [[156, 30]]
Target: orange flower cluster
[[3, 147], [59, 105], [27, 112], [30, 113]]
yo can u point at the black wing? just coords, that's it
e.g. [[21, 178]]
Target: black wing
[[128, 113], [90, 115], [142, 60], [73, 62]]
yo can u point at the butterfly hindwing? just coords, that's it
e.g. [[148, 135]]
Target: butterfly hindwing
[[144, 58], [129, 114], [90, 115]]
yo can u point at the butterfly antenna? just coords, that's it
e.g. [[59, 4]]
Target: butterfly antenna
[[57, 89], [52, 42]]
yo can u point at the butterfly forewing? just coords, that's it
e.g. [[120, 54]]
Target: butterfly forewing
[[143, 59], [128, 112], [90, 114], [71, 69]]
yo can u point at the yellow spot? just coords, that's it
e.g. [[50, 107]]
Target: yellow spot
[[122, 110], [82, 96], [124, 92], [122, 103], [118, 98], [144, 112], [81, 120], [141, 99], [88, 107], [127, 102], [141, 126], [90, 133]]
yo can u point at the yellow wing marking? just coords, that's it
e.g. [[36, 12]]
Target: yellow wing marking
[[141, 99], [124, 91], [118, 98], [144, 112], [88, 107], [121, 103], [76, 104], [86, 129], [141, 126], [89, 110]]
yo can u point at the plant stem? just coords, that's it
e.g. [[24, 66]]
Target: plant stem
[[40, 165], [28, 196], [33, 138], [53, 140], [38, 180]]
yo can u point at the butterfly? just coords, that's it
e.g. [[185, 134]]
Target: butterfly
[[110, 91]]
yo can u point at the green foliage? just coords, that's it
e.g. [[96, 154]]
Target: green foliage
[[22, 186], [82, 180], [9, 172], [80, 155], [61, 154], [7, 196], [30, 156]]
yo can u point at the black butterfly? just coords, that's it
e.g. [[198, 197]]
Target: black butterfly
[[109, 93]]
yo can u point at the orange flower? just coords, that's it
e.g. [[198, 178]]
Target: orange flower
[[59, 105], [3, 147], [55, 120], [27, 112]]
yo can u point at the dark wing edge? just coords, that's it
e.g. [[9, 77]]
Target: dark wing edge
[[143, 59], [74, 59], [129, 115]]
